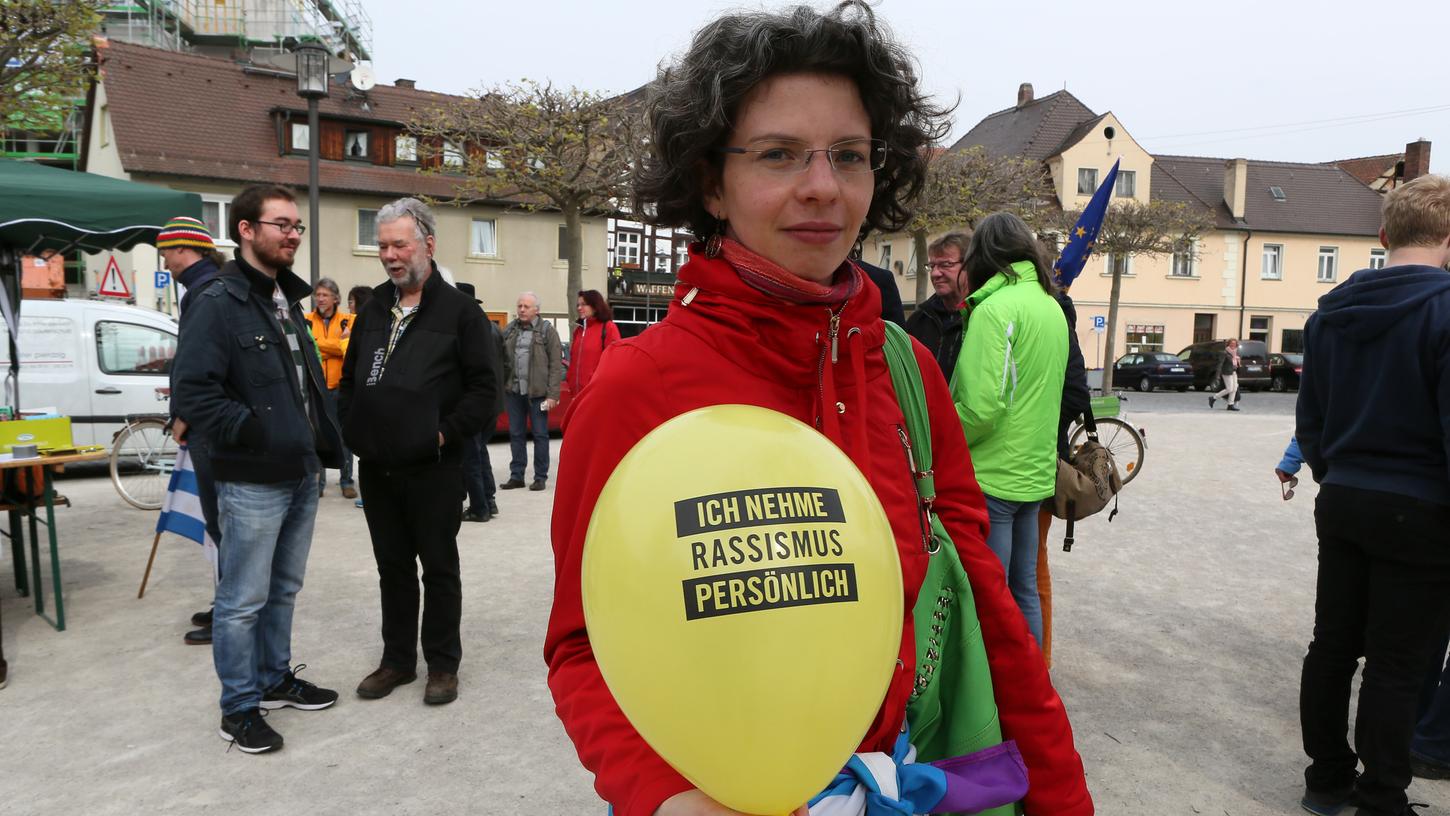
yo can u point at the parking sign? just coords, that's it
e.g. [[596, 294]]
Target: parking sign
[[1100, 324], [163, 279]]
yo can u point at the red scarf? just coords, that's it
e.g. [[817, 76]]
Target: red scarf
[[767, 276]]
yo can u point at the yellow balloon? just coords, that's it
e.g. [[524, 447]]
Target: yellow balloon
[[743, 597]]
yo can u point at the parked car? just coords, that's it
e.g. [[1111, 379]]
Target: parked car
[[1206, 358], [556, 416], [1151, 369], [95, 362], [1284, 371]]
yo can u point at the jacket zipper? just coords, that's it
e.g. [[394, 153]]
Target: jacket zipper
[[832, 330]]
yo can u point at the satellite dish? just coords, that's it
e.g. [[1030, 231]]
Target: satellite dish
[[362, 78]]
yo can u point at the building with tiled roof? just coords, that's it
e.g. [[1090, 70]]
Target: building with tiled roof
[[251, 127], [1284, 233]]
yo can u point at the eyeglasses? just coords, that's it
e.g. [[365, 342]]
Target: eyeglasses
[[787, 156], [286, 226], [942, 266], [1287, 488]]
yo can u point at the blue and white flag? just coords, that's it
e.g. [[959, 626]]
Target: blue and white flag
[[1084, 234], [181, 509]]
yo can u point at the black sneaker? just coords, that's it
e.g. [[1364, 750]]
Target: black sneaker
[[298, 693], [1327, 802], [248, 731], [202, 619]]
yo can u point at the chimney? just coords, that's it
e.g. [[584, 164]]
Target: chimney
[[405, 83], [1236, 186], [1024, 94], [1417, 160]]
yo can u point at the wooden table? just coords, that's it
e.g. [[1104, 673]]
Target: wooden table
[[31, 508]]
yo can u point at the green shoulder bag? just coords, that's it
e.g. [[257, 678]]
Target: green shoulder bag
[[952, 711]]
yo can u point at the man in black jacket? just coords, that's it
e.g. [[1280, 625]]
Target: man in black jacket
[[418, 384], [937, 323], [248, 381], [1373, 423]]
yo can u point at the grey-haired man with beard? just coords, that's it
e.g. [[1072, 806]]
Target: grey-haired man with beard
[[418, 384]]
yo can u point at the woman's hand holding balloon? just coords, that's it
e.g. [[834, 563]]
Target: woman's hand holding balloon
[[696, 803]]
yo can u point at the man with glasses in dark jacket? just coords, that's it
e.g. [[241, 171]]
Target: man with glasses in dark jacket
[[937, 323], [248, 381]]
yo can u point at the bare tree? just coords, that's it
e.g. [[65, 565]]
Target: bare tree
[[963, 187], [1132, 228], [44, 45], [536, 146]]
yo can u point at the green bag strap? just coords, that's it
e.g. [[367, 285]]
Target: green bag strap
[[906, 379]]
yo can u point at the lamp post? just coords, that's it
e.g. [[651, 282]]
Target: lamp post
[[312, 64]]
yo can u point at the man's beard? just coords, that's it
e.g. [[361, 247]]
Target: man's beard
[[273, 255], [411, 278]]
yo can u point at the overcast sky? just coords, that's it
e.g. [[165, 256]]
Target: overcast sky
[[1289, 80]]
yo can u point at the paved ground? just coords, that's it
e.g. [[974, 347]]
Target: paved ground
[[1181, 626]]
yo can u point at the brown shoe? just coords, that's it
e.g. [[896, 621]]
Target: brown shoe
[[349, 492], [442, 688], [382, 682]]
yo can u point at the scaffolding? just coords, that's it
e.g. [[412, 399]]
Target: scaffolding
[[342, 25]]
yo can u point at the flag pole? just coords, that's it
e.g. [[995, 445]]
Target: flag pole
[[149, 561]]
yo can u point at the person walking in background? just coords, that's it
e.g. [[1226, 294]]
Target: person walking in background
[[1372, 425], [478, 481], [190, 255], [592, 335], [1228, 369], [1008, 391], [937, 323], [357, 297], [248, 380], [417, 387], [533, 371], [331, 329]]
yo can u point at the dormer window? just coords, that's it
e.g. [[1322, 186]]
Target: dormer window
[[405, 150], [355, 144], [1278, 194], [299, 137]]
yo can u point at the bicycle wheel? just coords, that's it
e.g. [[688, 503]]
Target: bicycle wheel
[[1122, 441], [142, 459]]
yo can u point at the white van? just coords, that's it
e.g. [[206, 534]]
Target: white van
[[93, 361]]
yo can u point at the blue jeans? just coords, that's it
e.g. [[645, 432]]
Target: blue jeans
[[525, 409], [1013, 537], [268, 530], [1432, 733]]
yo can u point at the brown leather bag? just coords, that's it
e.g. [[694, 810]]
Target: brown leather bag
[[1086, 484]]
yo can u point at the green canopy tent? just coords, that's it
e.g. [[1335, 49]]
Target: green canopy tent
[[46, 208]]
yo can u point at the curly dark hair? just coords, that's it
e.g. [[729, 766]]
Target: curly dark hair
[[694, 103]]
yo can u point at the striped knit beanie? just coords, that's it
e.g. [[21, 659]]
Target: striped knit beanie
[[182, 231]]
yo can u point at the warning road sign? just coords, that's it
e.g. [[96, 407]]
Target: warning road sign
[[113, 283]]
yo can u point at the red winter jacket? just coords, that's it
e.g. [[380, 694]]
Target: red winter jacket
[[726, 342], [590, 340]]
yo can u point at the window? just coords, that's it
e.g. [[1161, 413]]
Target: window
[[1273, 266], [1328, 264], [885, 256], [1127, 183], [1203, 327], [452, 156], [1292, 341], [1259, 328], [492, 161], [626, 249], [355, 144], [367, 228], [214, 214], [682, 254], [483, 238], [1278, 193], [1121, 264], [1087, 180], [1185, 262], [126, 348], [563, 242], [1376, 259], [405, 149], [1142, 338], [300, 138], [662, 263]]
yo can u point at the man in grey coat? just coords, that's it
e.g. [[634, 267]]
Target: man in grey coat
[[533, 371]]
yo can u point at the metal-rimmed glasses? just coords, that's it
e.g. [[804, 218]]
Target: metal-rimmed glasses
[[942, 266], [789, 156], [1287, 488], [286, 227]]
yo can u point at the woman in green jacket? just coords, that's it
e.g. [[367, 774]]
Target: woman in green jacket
[[1008, 388]]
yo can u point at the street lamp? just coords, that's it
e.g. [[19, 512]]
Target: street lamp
[[312, 64]]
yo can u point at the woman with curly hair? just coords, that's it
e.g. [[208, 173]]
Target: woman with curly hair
[[782, 138]]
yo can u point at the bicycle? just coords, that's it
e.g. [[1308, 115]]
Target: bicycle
[[1126, 443], [143, 455]]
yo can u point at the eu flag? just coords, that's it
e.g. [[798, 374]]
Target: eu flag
[[1085, 233]]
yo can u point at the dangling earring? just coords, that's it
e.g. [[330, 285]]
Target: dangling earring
[[712, 244]]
